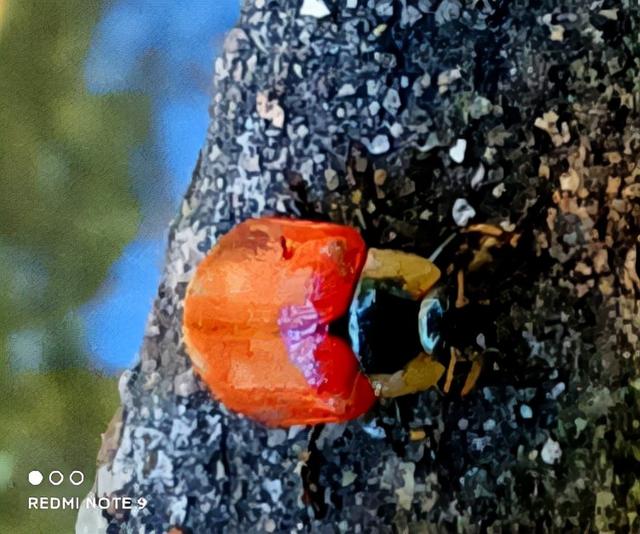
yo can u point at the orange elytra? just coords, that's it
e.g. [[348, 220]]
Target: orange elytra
[[256, 322]]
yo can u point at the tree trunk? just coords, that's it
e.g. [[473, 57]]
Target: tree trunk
[[358, 111]]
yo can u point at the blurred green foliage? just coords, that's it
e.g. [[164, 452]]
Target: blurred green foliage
[[66, 212], [51, 421]]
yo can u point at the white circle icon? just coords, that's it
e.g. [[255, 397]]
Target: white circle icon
[[56, 478], [76, 477], [35, 478]]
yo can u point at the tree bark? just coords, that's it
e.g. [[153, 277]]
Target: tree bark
[[359, 113]]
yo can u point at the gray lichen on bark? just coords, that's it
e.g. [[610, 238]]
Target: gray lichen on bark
[[356, 117]]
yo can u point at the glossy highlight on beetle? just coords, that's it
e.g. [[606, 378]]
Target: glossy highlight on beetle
[[256, 322]]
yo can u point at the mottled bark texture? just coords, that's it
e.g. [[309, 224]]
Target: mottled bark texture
[[353, 113]]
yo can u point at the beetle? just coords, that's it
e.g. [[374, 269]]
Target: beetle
[[256, 322], [265, 314]]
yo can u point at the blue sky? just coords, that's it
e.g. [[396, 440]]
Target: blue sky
[[166, 50]]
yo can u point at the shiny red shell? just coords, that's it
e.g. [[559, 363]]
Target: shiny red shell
[[256, 322]]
